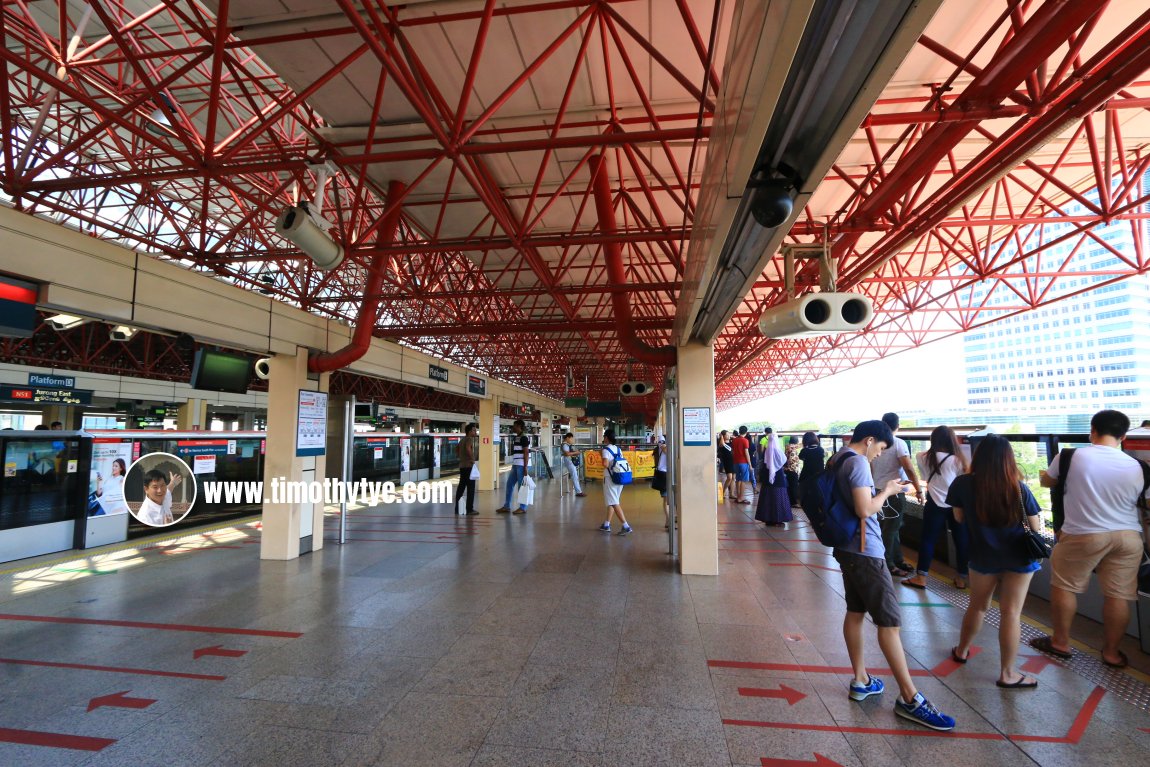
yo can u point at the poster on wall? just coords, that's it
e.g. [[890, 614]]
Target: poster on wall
[[110, 461], [405, 455], [311, 426]]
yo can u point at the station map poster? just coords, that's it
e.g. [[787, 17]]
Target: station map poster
[[697, 426], [311, 425]]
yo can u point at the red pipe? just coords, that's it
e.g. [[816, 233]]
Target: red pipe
[[369, 309], [665, 356]]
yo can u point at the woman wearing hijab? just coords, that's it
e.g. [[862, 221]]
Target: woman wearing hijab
[[774, 508]]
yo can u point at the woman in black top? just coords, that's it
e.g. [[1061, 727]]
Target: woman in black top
[[813, 457], [993, 500], [727, 462]]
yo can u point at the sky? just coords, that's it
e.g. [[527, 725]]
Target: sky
[[930, 377]]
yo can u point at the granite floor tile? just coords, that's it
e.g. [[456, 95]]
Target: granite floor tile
[[555, 707], [429, 730], [651, 737], [478, 665]]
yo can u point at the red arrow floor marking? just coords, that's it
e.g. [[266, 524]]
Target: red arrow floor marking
[[53, 740], [1036, 664], [157, 626], [949, 666], [119, 700], [217, 650], [113, 669], [789, 694], [820, 761]]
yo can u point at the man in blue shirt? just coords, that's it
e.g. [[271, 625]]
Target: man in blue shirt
[[867, 581]]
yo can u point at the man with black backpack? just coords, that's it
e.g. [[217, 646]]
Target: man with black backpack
[[1098, 529], [867, 581]]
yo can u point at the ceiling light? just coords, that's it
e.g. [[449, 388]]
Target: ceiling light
[[65, 321], [123, 333]]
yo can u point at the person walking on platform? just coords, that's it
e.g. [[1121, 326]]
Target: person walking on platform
[[895, 464], [753, 455], [994, 502], [726, 464], [659, 480], [612, 491], [741, 453], [868, 586], [774, 506], [467, 451], [520, 461], [940, 464], [571, 463], [1101, 532]]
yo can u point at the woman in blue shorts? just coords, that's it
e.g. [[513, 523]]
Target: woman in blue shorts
[[993, 501]]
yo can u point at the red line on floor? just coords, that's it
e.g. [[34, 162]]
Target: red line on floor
[[949, 665], [157, 626], [114, 669], [803, 564], [823, 552], [802, 667], [866, 730], [1082, 721], [398, 540], [53, 740], [444, 519], [412, 532]]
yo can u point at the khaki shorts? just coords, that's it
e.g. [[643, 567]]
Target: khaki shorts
[[1115, 556]]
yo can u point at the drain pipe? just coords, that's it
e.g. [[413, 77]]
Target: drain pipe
[[365, 325], [665, 356]]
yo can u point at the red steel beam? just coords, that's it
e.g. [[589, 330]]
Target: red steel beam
[[494, 328]]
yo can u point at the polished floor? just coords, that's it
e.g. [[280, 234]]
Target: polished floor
[[505, 641]]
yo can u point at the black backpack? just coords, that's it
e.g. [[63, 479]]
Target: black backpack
[[1058, 492]]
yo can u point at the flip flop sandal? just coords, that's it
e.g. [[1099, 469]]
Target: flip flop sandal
[[1042, 644], [1120, 664], [913, 585], [954, 656], [1021, 684]]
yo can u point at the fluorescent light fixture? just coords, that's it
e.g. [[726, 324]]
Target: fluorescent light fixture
[[123, 333], [65, 321]]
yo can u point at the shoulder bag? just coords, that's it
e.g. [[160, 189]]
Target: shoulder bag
[[1034, 545]]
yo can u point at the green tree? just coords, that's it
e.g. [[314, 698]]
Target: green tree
[[841, 427], [805, 426]]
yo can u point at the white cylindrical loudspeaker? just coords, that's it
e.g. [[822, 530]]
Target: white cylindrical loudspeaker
[[817, 314], [263, 368], [296, 225]]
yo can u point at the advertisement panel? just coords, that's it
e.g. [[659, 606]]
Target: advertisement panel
[[642, 464], [110, 461]]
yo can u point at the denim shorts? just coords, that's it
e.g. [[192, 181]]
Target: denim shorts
[[1033, 567]]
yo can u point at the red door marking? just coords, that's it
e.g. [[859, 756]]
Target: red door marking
[[789, 694], [1036, 664], [113, 669], [157, 626], [820, 761], [53, 740], [949, 666], [1078, 727], [119, 700], [217, 650]]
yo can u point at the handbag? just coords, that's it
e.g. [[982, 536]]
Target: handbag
[[1034, 544], [474, 471]]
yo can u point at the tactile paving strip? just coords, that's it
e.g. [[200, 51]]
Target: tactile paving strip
[[1113, 680]]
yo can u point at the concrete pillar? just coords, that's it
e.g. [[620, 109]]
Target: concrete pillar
[[71, 417], [697, 500], [247, 421], [284, 523], [488, 443], [192, 415]]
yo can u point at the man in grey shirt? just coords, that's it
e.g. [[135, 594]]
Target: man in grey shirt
[[867, 582], [895, 463]]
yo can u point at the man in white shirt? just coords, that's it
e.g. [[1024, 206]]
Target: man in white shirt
[[1101, 532], [895, 463], [156, 510]]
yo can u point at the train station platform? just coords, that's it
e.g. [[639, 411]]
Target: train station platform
[[432, 639]]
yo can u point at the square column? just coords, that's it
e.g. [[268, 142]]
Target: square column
[[285, 523], [192, 415], [488, 443], [697, 503]]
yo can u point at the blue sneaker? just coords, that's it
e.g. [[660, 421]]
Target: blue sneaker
[[605, 527], [626, 530], [920, 711], [874, 686]]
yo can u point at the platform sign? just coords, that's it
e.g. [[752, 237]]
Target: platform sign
[[697, 426], [41, 396], [52, 382], [477, 386], [436, 373], [311, 424]]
